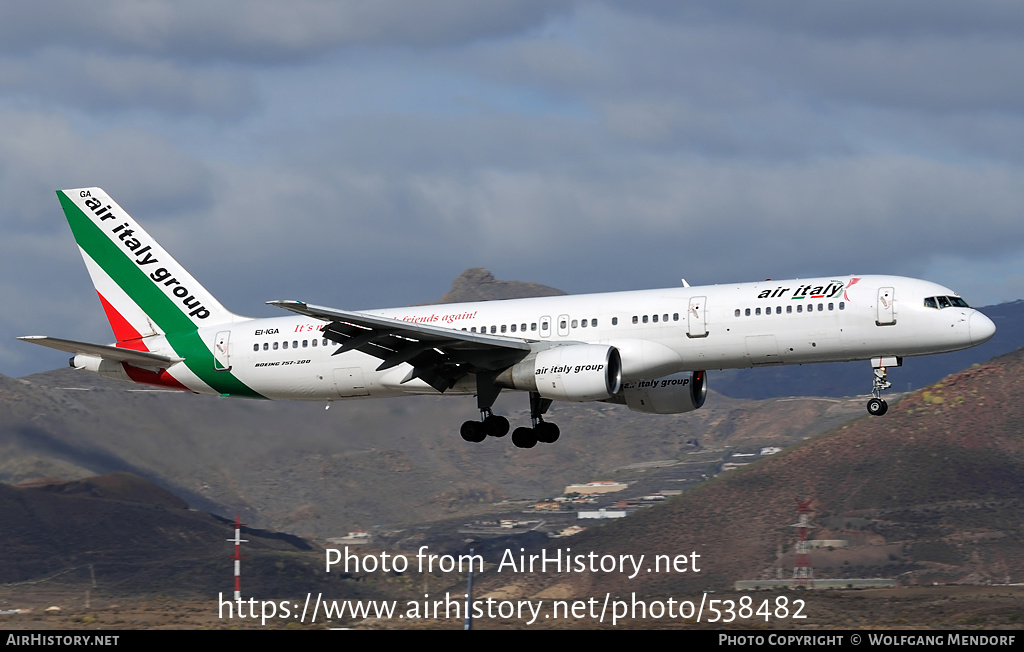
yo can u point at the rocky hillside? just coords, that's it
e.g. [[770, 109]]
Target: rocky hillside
[[932, 492]]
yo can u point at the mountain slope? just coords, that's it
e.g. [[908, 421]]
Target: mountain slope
[[932, 492]]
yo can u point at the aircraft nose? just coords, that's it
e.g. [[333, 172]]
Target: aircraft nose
[[981, 327]]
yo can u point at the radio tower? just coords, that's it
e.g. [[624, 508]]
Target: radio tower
[[803, 572], [238, 556]]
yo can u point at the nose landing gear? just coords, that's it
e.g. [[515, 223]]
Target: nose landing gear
[[876, 404]]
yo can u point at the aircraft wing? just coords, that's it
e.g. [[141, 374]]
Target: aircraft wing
[[137, 358], [439, 356]]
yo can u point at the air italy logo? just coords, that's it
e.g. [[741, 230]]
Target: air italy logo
[[811, 291], [142, 256]]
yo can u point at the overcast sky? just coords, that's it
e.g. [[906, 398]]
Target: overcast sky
[[362, 154]]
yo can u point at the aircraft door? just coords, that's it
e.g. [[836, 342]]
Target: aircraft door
[[886, 307], [563, 325], [696, 319], [222, 351]]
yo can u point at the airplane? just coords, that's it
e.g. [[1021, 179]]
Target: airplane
[[648, 349]]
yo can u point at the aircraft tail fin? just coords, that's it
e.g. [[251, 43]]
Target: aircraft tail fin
[[143, 290]]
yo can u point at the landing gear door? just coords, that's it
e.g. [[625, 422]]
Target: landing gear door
[[886, 307], [696, 320], [222, 351], [349, 382]]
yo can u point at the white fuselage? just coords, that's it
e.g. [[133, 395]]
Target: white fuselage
[[657, 332]]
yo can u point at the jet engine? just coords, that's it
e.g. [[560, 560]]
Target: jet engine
[[675, 394], [575, 372]]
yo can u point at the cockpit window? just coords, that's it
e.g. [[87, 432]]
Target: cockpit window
[[945, 302]]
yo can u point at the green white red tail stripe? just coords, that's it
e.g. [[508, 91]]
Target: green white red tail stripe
[[145, 292]]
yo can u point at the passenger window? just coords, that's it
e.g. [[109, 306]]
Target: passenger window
[[615, 321], [472, 330], [523, 328], [305, 343], [275, 346], [821, 307], [831, 306], [778, 310], [675, 316], [842, 305], [285, 345], [799, 307], [583, 323], [747, 312], [561, 325], [789, 310], [737, 312], [757, 311], [314, 341], [265, 346], [513, 328], [255, 347], [645, 319], [494, 329], [635, 319], [664, 317], [593, 323], [295, 344], [544, 326], [574, 323], [503, 328], [655, 319], [325, 341], [810, 307], [533, 326]]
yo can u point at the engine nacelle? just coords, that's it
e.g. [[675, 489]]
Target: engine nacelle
[[675, 394], [575, 372]]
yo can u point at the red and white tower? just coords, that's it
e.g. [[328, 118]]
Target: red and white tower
[[238, 556], [803, 572]]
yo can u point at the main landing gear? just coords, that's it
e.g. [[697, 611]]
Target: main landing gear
[[542, 431], [877, 405], [496, 426], [489, 424]]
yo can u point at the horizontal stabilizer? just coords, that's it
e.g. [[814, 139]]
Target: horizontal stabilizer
[[137, 358]]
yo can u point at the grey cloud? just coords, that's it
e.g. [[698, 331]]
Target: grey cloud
[[98, 81], [844, 18], [733, 63], [41, 153], [260, 30]]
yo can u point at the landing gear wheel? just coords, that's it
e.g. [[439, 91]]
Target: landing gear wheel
[[473, 431], [496, 426], [524, 438], [547, 433], [877, 407]]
